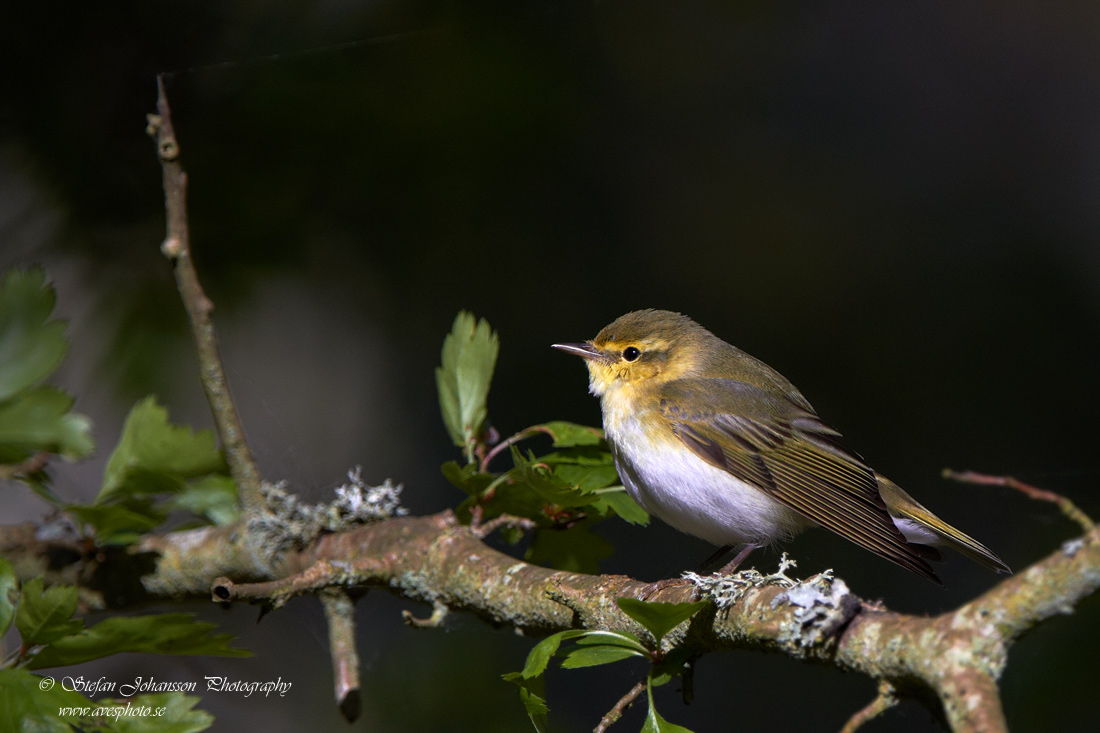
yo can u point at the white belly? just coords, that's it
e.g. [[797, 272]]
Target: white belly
[[671, 482]]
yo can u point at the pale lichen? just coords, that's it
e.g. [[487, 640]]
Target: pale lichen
[[285, 523]]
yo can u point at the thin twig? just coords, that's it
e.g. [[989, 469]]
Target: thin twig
[[616, 712], [886, 699], [1068, 507], [320, 575], [177, 247], [496, 449], [504, 520], [439, 615], [340, 615]]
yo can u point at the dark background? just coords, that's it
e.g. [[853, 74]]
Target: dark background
[[895, 207]]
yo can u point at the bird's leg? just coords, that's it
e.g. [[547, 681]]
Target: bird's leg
[[735, 563]]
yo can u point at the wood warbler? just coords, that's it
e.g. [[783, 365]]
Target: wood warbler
[[721, 446]]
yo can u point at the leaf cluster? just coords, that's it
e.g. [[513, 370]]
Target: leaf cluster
[[155, 469], [564, 492], [51, 637], [594, 648], [35, 419]]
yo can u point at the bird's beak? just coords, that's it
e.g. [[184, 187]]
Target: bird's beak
[[585, 351]]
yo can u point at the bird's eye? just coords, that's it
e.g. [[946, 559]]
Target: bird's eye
[[631, 354]]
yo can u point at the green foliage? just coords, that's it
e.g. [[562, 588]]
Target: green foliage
[[565, 492], [469, 357], [45, 615], [659, 618], [169, 633], [9, 593], [174, 713], [51, 637], [31, 345], [594, 648], [29, 702], [154, 458], [26, 706], [34, 418]]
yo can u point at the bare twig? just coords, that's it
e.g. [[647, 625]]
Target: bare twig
[[620, 707], [340, 615], [886, 699], [320, 575], [177, 247], [439, 615], [504, 520], [1068, 507]]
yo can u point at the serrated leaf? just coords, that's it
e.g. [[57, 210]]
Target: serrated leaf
[[31, 345], [213, 497], [45, 614], [26, 706], [175, 714], [532, 693], [467, 477], [544, 482], [168, 633], [591, 656], [9, 594], [616, 500], [586, 478], [567, 434], [575, 549], [540, 654], [468, 358], [153, 455], [659, 618], [654, 723], [39, 419], [119, 524]]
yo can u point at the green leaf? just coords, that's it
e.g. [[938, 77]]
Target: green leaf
[[575, 549], [591, 656], [213, 497], [567, 434], [659, 618], [467, 477], [9, 594], [154, 456], [654, 723], [119, 524], [28, 705], [615, 499], [44, 614], [31, 345], [586, 478], [468, 359], [623, 639], [39, 419], [540, 655], [546, 483], [532, 693], [169, 633], [172, 712]]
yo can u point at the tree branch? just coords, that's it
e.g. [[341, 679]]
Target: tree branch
[[177, 247]]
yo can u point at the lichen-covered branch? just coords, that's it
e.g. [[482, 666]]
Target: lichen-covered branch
[[957, 657]]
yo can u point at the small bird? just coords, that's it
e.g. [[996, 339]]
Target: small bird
[[721, 446]]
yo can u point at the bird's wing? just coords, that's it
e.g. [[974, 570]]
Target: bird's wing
[[787, 452]]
